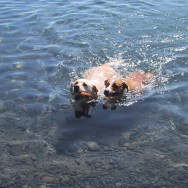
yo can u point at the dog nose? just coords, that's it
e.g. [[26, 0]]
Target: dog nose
[[76, 89], [106, 92]]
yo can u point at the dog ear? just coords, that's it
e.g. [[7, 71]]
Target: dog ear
[[125, 86], [94, 89], [106, 83]]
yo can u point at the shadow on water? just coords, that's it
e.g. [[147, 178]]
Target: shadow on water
[[105, 126]]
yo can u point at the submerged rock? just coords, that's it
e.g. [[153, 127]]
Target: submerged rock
[[93, 146]]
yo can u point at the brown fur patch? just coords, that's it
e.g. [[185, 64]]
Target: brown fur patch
[[86, 94]]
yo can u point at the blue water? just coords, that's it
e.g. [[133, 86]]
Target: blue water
[[46, 44]]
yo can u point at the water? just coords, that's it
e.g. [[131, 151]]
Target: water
[[46, 44]]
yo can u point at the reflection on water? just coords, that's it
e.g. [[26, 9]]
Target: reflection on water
[[48, 141], [83, 109]]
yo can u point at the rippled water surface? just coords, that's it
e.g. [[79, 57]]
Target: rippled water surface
[[141, 142]]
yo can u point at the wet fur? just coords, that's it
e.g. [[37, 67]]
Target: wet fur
[[133, 82], [92, 83]]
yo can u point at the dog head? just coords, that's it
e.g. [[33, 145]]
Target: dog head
[[83, 89], [115, 88]]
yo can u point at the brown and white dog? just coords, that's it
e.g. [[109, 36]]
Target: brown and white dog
[[92, 84], [133, 82]]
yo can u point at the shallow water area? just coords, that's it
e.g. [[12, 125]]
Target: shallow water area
[[140, 141]]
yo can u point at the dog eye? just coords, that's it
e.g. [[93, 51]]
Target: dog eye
[[106, 83], [84, 84], [76, 83]]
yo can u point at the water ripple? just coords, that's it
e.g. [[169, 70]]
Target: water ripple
[[46, 44], [54, 42]]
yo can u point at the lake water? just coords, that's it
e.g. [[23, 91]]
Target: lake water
[[141, 142]]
